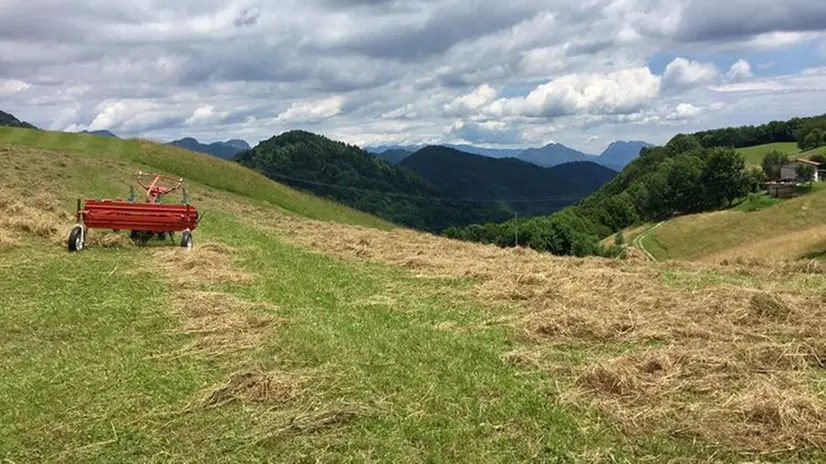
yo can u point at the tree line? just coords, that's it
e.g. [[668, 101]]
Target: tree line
[[807, 132]]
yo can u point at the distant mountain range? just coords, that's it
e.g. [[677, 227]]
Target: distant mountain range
[[490, 152], [226, 150], [615, 157]]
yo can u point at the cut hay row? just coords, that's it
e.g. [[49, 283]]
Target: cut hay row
[[731, 364], [222, 325]]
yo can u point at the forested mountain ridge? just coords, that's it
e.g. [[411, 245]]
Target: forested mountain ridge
[[354, 177], [536, 190], [8, 120]]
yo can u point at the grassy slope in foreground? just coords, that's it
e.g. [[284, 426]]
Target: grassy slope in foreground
[[788, 229], [250, 347]]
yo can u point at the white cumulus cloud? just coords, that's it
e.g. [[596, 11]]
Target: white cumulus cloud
[[739, 71], [682, 74], [623, 91]]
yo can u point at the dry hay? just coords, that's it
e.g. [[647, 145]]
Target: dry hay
[[733, 361], [208, 263], [253, 387], [32, 217], [222, 324], [632, 252]]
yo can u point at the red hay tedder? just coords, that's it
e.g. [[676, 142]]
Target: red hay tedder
[[145, 219]]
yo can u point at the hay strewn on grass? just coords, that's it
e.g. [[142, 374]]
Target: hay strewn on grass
[[222, 324], [38, 217], [206, 263], [253, 387], [726, 362]]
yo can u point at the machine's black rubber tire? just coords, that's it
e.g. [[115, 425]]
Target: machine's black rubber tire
[[186, 239], [75, 242]]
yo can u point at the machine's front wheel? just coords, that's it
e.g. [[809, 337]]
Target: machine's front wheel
[[76, 239], [186, 239]]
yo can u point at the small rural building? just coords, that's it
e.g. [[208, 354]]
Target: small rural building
[[780, 189], [788, 172]]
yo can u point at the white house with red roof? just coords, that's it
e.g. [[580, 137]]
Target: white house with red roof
[[788, 172]]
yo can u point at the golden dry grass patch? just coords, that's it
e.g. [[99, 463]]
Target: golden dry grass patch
[[789, 246], [651, 356], [209, 263], [221, 324], [254, 386]]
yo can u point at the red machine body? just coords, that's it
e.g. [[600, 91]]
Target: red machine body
[[146, 217], [143, 219]]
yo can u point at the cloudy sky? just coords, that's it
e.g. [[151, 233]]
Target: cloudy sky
[[486, 72]]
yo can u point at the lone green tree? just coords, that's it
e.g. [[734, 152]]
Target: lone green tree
[[724, 178], [772, 162]]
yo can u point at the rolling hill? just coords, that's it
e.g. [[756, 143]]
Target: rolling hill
[[780, 230], [303, 329], [464, 175], [225, 150], [356, 178]]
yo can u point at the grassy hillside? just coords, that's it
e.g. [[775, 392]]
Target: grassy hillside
[[754, 155], [763, 228], [325, 340]]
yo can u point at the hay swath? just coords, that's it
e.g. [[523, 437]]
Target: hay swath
[[145, 219]]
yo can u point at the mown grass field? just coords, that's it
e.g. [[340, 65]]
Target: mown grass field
[[758, 228], [754, 155], [298, 330]]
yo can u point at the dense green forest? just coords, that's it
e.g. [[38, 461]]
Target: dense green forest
[[352, 176], [535, 190], [9, 120], [681, 177]]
